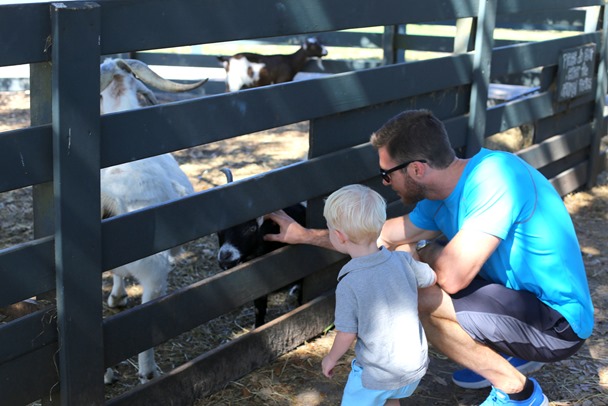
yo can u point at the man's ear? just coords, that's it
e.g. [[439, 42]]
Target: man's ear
[[418, 168]]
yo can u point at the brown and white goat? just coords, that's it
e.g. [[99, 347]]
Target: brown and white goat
[[246, 70], [138, 184]]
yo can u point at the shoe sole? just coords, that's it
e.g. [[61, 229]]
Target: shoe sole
[[545, 400], [526, 369]]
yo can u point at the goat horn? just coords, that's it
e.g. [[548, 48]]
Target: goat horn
[[106, 76], [228, 174], [149, 77]]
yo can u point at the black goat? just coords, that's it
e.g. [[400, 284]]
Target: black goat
[[245, 241]]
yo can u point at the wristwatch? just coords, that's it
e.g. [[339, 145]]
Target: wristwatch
[[422, 243]]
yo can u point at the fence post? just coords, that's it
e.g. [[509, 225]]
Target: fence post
[[592, 16], [40, 113], [40, 107], [482, 60], [390, 44], [464, 41], [76, 163], [599, 125]]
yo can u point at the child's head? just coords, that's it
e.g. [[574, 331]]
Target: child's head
[[357, 211]]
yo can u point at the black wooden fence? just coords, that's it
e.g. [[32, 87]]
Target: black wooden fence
[[59, 355]]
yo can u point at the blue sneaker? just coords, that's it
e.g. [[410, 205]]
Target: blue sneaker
[[465, 378], [498, 397]]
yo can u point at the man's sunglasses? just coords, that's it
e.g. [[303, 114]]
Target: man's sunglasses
[[386, 173]]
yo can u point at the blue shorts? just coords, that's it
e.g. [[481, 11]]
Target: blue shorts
[[356, 394]]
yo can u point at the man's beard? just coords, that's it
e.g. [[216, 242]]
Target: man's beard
[[412, 192]]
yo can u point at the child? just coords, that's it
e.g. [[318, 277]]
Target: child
[[376, 303]]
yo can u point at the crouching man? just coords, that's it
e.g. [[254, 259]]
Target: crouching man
[[511, 291]]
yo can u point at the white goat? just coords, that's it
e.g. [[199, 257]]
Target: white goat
[[246, 70], [134, 185]]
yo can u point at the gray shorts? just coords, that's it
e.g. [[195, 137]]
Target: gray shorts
[[514, 322]]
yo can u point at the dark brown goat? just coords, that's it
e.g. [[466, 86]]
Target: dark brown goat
[[246, 70]]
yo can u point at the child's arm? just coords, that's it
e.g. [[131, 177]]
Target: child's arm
[[341, 344], [425, 275]]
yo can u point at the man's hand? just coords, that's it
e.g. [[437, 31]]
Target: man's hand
[[293, 233], [290, 231]]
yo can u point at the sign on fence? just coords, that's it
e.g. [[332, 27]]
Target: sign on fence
[[575, 72]]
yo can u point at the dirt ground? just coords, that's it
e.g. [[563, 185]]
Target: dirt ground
[[296, 378]]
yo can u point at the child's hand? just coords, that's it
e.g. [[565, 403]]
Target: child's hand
[[328, 367]]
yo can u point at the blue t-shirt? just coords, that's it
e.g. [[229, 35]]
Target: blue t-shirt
[[500, 194]]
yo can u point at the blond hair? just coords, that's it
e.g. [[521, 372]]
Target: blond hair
[[357, 211]]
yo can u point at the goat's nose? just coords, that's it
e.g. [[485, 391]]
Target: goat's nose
[[227, 260], [228, 256], [225, 265]]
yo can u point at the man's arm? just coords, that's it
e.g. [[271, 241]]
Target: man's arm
[[293, 233], [400, 231], [461, 259]]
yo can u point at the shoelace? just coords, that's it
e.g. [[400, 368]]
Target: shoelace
[[497, 396]]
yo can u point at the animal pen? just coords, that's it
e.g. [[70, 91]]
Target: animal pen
[[58, 354]]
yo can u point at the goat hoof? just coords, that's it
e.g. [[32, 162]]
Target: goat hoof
[[109, 377], [117, 301]]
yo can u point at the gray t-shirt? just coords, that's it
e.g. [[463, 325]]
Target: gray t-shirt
[[377, 299]]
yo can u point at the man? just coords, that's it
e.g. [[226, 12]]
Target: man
[[511, 280]]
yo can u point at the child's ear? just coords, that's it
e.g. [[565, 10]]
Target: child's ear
[[341, 236]]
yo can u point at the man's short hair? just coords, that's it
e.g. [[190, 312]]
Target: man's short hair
[[357, 211], [415, 135]]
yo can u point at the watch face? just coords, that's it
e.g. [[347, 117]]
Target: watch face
[[421, 244]]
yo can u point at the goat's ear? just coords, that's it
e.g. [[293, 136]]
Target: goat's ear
[[225, 61], [110, 206], [145, 96], [260, 220]]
